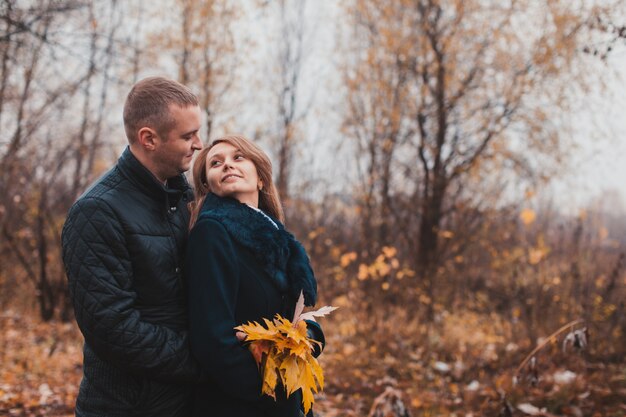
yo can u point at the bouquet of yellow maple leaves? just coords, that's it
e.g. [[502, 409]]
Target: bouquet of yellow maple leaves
[[283, 350]]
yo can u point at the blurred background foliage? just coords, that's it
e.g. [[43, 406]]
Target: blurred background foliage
[[414, 143]]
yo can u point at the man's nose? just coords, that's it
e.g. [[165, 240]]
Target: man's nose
[[197, 143]]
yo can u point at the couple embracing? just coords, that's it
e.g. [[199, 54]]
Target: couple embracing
[[160, 274]]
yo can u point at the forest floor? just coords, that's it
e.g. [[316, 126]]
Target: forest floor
[[40, 370]]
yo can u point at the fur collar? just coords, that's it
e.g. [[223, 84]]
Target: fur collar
[[283, 258]]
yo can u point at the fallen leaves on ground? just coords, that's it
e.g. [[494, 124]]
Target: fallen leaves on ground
[[41, 366], [40, 369]]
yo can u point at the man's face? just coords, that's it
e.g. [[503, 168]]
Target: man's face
[[175, 150]]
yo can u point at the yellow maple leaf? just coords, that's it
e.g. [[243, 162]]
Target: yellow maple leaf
[[290, 373], [283, 350], [317, 372], [307, 385], [306, 375], [255, 331], [269, 376]]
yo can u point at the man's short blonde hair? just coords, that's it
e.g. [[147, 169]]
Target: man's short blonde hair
[[148, 102]]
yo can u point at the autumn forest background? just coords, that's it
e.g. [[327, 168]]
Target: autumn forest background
[[416, 146]]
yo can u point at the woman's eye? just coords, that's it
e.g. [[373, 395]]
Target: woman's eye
[[214, 163], [238, 157]]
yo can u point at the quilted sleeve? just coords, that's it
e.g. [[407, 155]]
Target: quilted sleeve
[[100, 280]]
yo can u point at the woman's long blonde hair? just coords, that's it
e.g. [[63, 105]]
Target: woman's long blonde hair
[[269, 201]]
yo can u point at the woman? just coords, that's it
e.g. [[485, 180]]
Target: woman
[[242, 265]]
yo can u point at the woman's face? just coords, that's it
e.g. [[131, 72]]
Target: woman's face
[[231, 174]]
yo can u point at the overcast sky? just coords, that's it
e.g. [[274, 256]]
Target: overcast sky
[[600, 164]]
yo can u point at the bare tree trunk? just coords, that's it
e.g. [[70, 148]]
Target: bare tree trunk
[[431, 216], [284, 163], [137, 49], [183, 70], [207, 82], [81, 139], [94, 144], [22, 258], [7, 53], [45, 293], [290, 61], [14, 145], [368, 238]]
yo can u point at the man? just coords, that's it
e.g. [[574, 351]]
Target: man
[[123, 247]]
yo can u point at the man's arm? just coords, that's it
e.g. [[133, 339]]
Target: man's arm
[[100, 279]]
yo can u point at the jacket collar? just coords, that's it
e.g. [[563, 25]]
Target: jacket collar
[[283, 258], [138, 174]]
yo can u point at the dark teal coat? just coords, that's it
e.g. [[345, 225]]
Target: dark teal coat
[[240, 268]]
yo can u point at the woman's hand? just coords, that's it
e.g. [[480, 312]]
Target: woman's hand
[[257, 348]]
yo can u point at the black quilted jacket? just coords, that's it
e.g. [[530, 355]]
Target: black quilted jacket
[[123, 248]]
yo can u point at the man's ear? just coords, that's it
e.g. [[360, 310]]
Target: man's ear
[[147, 138]]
